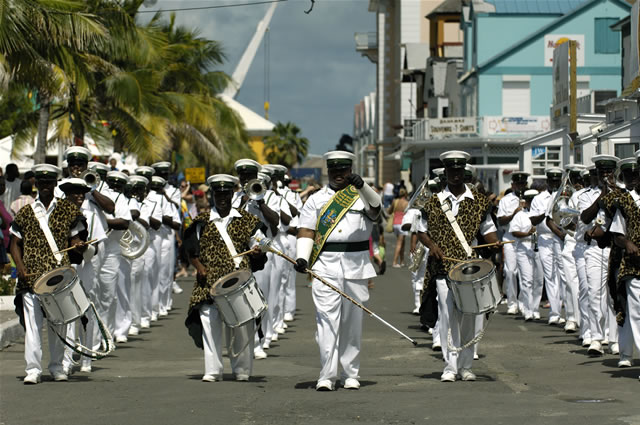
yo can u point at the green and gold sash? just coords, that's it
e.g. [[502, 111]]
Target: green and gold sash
[[330, 216]]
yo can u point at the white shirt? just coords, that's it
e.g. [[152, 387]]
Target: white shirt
[[252, 206], [121, 211], [412, 216], [508, 204], [214, 216], [38, 206], [521, 223], [581, 200], [388, 189], [354, 226], [486, 227], [619, 223], [539, 206], [11, 192]]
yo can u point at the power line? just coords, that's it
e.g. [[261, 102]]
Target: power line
[[211, 7]]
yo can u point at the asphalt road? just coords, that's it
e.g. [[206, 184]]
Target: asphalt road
[[527, 374]]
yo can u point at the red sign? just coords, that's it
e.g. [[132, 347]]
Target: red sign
[[294, 185]]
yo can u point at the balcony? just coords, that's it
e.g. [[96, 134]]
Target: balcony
[[488, 127], [367, 45]]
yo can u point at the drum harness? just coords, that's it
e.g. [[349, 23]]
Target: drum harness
[[106, 335], [463, 241]]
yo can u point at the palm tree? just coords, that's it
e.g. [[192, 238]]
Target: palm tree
[[286, 146]]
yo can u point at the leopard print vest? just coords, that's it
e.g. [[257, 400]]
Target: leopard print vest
[[630, 211]]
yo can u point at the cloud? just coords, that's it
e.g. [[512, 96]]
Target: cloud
[[316, 76]]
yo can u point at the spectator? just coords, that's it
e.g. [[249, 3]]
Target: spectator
[[187, 196], [12, 184], [397, 209], [387, 194], [27, 196]]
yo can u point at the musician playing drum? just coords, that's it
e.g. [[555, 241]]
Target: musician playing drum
[[333, 240], [38, 232], [211, 242], [469, 209]]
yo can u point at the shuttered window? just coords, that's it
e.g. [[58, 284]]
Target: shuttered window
[[606, 40], [516, 99]]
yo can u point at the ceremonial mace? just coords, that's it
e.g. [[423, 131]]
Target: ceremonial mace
[[265, 244]]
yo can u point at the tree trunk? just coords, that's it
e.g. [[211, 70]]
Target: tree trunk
[[43, 128]]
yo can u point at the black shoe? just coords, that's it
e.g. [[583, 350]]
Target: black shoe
[[383, 267]]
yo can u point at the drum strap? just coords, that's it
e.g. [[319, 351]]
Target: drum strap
[[228, 242], [44, 226], [454, 224]]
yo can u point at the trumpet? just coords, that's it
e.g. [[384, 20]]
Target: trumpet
[[91, 177], [255, 189]]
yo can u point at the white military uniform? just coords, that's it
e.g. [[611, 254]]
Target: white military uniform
[[290, 284], [168, 247], [531, 292], [508, 204], [413, 216], [150, 290], [578, 256], [550, 248], [339, 322]]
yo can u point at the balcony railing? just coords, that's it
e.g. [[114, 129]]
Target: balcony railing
[[366, 41], [487, 126]]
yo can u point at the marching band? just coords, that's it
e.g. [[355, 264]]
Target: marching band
[[96, 251]]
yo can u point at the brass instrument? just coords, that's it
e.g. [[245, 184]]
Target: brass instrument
[[418, 200], [134, 241], [91, 177], [255, 189], [561, 214]]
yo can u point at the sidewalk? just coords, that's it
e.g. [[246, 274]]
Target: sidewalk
[[10, 329]]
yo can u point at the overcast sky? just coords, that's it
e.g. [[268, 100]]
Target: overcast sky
[[316, 75]]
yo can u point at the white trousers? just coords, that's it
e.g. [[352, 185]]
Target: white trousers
[[166, 269], [157, 286], [239, 342], [550, 249], [150, 278], [571, 306], [630, 332], [262, 279], [274, 299], [108, 283], [417, 281], [526, 267], [339, 326], [509, 271], [135, 293], [33, 322], [461, 326], [123, 309], [290, 285], [602, 319]]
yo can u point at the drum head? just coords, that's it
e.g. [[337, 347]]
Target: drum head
[[56, 279], [470, 270], [230, 283]]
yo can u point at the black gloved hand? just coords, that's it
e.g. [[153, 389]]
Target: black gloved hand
[[301, 265], [356, 181]]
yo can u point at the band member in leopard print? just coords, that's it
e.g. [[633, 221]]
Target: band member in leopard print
[[206, 245], [34, 257], [470, 209]]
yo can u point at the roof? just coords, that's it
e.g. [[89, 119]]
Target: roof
[[446, 7], [584, 5], [535, 7], [254, 123]]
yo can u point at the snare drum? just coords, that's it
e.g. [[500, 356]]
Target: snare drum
[[61, 295], [474, 286], [238, 298]]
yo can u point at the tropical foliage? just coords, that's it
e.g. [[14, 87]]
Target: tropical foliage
[[149, 89], [286, 146]]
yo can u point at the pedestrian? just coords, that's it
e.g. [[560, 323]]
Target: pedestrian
[[12, 183], [26, 197], [387, 194], [333, 241], [397, 209]]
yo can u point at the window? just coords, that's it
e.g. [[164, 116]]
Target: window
[[606, 40], [543, 157], [626, 150], [516, 99]]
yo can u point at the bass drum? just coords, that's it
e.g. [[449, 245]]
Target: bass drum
[[61, 295], [474, 286]]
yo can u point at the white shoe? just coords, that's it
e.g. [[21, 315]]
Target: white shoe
[[615, 348], [436, 346], [595, 349], [288, 317], [467, 375], [259, 354], [144, 323], [154, 317], [163, 313], [274, 337], [241, 377], [351, 384], [605, 342], [570, 327], [280, 331], [60, 376], [554, 320], [586, 342], [528, 317], [133, 330], [285, 326], [32, 378], [324, 385], [513, 310], [266, 344], [430, 332], [416, 311], [448, 377], [624, 362], [176, 288], [561, 321], [121, 339], [86, 369], [536, 316], [211, 378], [476, 357]]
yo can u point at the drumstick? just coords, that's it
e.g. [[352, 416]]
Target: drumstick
[[267, 243], [245, 253], [491, 244], [76, 246], [453, 259]]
